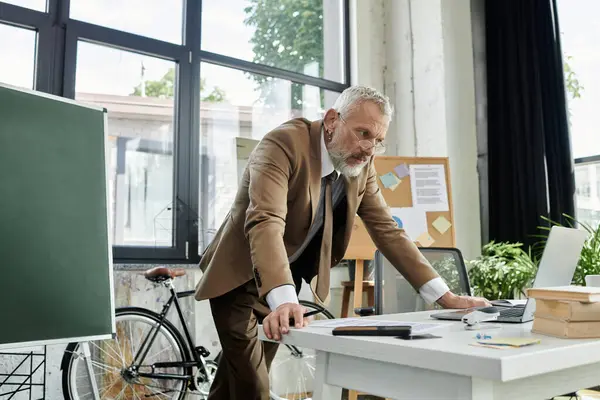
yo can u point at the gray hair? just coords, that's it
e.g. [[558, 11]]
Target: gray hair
[[356, 95]]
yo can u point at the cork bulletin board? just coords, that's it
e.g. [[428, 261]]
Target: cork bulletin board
[[418, 192]]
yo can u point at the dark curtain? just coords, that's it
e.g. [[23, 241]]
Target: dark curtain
[[530, 166]]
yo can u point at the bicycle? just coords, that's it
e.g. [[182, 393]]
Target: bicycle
[[127, 366]]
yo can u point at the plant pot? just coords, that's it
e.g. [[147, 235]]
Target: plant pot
[[368, 270]]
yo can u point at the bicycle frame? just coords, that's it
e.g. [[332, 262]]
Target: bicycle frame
[[197, 355]]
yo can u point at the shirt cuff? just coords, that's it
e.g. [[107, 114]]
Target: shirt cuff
[[280, 295], [433, 290]]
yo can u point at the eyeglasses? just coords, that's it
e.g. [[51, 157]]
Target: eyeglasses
[[366, 144]]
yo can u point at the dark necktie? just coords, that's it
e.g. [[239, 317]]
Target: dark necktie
[[322, 290], [337, 190]]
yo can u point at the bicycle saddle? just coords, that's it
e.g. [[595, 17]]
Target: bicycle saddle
[[159, 274]]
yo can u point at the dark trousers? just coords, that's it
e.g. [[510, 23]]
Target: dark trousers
[[243, 372]]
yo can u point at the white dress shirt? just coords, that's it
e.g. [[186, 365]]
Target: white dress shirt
[[430, 291]]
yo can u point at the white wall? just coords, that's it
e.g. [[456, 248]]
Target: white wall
[[420, 53]]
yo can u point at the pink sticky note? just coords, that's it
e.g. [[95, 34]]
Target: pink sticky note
[[401, 170]]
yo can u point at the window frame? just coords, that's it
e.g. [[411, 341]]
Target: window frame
[[55, 71]]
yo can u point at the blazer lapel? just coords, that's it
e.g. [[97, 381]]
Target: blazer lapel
[[315, 166]]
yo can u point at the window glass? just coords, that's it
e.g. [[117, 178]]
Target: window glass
[[587, 185], [138, 92], [301, 36], [237, 109], [580, 43], [38, 5], [157, 19], [21, 51]]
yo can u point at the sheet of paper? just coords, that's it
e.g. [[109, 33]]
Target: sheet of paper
[[428, 187], [412, 219], [416, 327], [425, 239], [441, 224], [401, 170], [491, 346], [510, 341], [509, 302], [389, 180]]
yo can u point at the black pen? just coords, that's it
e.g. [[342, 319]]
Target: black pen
[[308, 314]]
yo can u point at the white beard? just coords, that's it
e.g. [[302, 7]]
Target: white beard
[[353, 171], [340, 164]]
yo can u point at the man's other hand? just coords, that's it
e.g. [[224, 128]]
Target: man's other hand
[[450, 300], [277, 323]]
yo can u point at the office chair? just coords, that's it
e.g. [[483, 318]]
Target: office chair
[[448, 263]]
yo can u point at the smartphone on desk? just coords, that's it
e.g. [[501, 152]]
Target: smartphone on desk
[[395, 330]]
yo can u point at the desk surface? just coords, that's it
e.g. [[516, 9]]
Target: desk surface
[[453, 352]]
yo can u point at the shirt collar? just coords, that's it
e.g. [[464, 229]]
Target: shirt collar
[[326, 163]]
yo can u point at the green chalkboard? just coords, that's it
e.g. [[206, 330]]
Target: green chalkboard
[[55, 255]]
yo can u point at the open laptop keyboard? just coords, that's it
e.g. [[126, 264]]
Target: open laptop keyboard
[[512, 312]]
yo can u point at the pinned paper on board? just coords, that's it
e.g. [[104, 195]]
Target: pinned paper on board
[[389, 180], [401, 170], [392, 188], [441, 224], [425, 239], [428, 187], [413, 220]]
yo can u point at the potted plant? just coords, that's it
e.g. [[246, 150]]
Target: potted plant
[[503, 271]]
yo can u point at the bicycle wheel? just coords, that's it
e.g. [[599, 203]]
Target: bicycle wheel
[[111, 361], [292, 371]]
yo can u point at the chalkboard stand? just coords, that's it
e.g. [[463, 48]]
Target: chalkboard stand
[[35, 360]]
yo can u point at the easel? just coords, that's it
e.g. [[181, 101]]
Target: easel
[[359, 251]]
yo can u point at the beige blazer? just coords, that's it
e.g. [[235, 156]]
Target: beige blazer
[[275, 206]]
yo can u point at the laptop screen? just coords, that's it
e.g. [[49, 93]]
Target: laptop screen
[[559, 260]]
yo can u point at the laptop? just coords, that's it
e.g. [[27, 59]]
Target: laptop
[[556, 268]]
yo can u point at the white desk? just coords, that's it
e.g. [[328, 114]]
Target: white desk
[[448, 368]]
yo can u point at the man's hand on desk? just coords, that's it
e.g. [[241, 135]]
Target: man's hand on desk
[[277, 323], [450, 300]]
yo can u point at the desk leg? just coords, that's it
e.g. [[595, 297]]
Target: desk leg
[[358, 284], [322, 390], [482, 389]]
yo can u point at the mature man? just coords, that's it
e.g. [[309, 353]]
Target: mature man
[[292, 220]]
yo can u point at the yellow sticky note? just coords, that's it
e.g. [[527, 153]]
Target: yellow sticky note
[[392, 188], [441, 224], [425, 239]]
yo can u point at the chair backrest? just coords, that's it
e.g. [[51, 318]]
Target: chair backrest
[[393, 294], [450, 265]]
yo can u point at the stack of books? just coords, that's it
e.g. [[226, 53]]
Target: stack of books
[[567, 311]]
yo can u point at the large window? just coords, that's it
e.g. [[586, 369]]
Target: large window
[[580, 40], [190, 87], [141, 134], [236, 110], [20, 49]]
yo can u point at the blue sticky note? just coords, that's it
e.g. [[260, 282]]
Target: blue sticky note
[[398, 221], [389, 179]]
